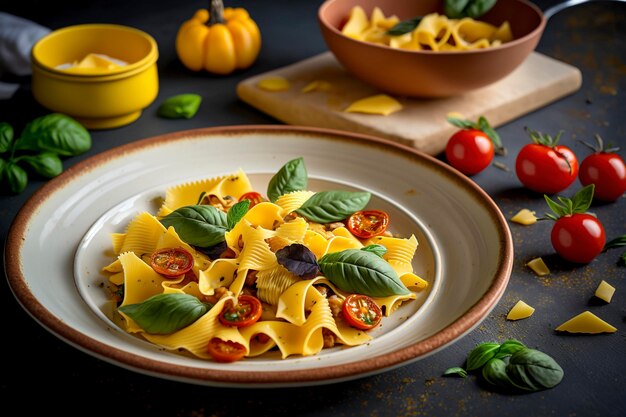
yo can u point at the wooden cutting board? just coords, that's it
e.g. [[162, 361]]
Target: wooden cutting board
[[422, 122]]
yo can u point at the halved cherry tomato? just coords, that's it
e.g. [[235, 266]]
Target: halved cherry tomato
[[368, 223], [247, 311], [225, 350], [252, 196], [171, 262], [361, 311]]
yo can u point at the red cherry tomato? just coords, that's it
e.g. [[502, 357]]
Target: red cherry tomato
[[247, 311], [252, 196], [171, 262], [607, 171], [545, 169], [225, 350], [578, 237], [361, 311], [368, 223], [470, 151]]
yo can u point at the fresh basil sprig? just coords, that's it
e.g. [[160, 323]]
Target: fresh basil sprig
[[512, 365], [236, 213], [579, 203], [41, 144], [198, 225], [181, 106], [456, 9], [166, 313], [379, 250], [404, 26], [333, 206], [290, 177], [363, 272]]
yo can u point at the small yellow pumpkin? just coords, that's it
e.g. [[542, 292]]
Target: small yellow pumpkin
[[219, 40]]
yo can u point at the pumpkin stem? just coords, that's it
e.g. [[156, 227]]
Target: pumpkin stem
[[216, 12]]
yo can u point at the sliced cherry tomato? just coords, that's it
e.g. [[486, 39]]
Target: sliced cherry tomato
[[361, 311], [171, 262], [470, 151], [606, 170], [247, 311], [225, 350], [545, 167], [368, 223], [578, 237], [252, 196]]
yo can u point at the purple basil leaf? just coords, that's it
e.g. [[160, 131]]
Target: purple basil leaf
[[299, 260], [213, 252]]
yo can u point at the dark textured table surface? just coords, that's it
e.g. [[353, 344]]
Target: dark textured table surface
[[42, 374]]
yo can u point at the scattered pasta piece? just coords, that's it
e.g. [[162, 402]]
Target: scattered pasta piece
[[274, 83], [525, 217], [605, 291], [539, 267], [586, 322], [317, 85], [378, 104], [520, 310]]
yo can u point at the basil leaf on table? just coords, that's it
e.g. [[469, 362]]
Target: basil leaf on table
[[290, 177], [458, 371], [6, 137], [299, 260], [16, 176], [509, 347], [362, 272], [333, 206], [198, 225], [166, 313], [481, 354], [494, 372], [181, 106], [236, 213], [47, 164], [534, 369], [55, 133]]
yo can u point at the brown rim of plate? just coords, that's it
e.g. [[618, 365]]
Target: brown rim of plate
[[329, 374]]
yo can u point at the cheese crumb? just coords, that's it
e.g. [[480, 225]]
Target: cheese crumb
[[605, 291], [525, 217], [317, 85], [520, 310], [539, 267], [586, 322], [378, 104], [274, 84]]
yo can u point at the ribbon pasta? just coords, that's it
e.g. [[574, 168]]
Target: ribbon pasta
[[297, 314]]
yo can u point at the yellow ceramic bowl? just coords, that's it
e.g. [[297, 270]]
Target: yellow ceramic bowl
[[99, 98]]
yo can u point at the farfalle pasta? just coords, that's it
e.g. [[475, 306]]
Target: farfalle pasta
[[226, 278]]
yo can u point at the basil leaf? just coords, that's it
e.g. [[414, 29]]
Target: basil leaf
[[404, 26], [454, 8], [299, 260], [456, 371], [3, 166], [615, 243], [362, 272], [56, 133], [6, 137], [198, 225], [16, 177], [379, 250], [535, 368], [291, 177], [494, 372], [582, 199], [181, 106], [477, 8], [215, 251], [481, 354], [509, 347], [165, 313], [236, 213], [47, 164], [333, 206]]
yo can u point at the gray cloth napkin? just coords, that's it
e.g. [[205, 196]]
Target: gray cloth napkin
[[17, 37]]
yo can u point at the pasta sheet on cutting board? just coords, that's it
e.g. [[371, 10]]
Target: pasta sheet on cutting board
[[421, 123]]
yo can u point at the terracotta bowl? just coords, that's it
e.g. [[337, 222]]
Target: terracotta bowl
[[430, 73]]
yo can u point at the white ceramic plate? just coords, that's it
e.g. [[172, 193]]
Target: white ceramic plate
[[60, 240]]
